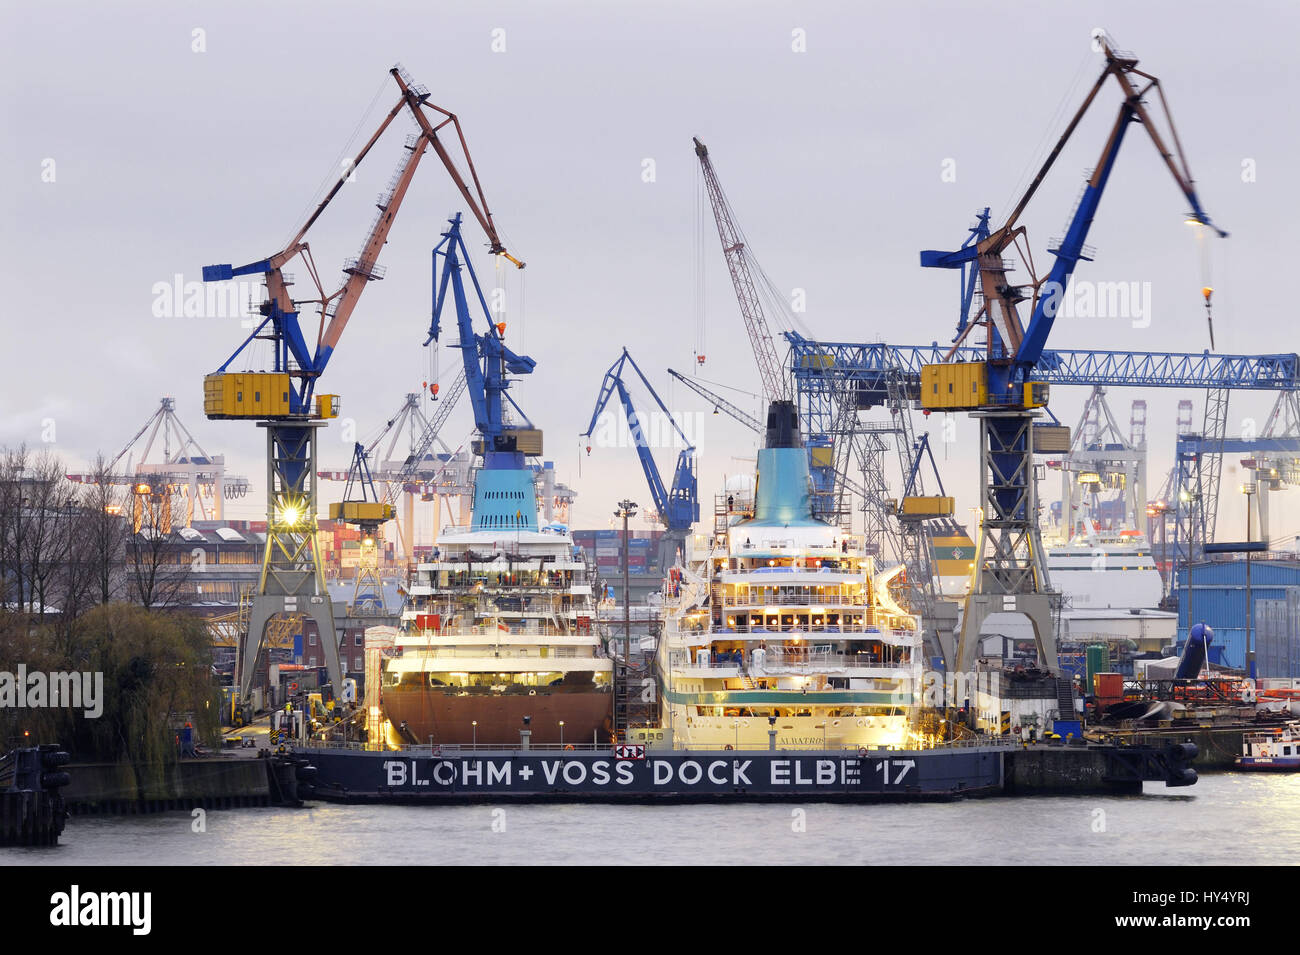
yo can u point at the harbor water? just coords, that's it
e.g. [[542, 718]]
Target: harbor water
[[1225, 819]]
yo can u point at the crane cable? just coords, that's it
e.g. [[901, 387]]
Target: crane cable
[[332, 173], [1049, 135]]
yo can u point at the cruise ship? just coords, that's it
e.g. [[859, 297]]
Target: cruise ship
[[779, 624], [499, 633], [1107, 570]]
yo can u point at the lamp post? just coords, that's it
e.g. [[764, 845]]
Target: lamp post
[[625, 510], [474, 724], [561, 733], [1249, 489]]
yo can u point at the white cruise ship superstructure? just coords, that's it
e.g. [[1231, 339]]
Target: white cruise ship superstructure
[[780, 623]]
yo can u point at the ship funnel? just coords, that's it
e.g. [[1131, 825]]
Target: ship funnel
[[782, 426], [784, 492]]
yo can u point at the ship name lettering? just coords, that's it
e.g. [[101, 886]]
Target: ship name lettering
[[696, 771], [396, 770], [600, 772], [582, 772], [799, 778], [471, 768], [738, 773], [849, 773], [825, 772], [550, 770], [442, 779], [780, 772], [624, 770], [498, 773], [717, 764]]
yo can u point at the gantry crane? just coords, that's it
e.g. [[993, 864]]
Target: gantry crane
[[283, 400], [1002, 389], [678, 505], [185, 466]]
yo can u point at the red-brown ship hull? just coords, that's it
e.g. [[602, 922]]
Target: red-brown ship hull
[[449, 718]]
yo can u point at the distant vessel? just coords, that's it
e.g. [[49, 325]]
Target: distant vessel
[[1106, 571], [779, 624], [1275, 750]]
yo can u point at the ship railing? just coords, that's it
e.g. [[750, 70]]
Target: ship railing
[[792, 659], [560, 652], [495, 632], [799, 600], [818, 630], [830, 746]]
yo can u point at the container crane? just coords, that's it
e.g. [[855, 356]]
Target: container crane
[[1002, 390], [283, 400], [200, 477], [679, 505]]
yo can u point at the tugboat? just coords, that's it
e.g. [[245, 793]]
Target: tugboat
[[1275, 750]]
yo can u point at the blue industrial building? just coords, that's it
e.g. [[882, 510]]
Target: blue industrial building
[[1218, 597]]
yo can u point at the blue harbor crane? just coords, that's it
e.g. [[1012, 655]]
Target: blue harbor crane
[[678, 505], [504, 497], [1001, 388]]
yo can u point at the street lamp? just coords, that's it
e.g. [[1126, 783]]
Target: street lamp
[[561, 732], [625, 510], [474, 724], [1249, 489]]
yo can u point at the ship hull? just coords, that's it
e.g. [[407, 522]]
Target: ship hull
[[1269, 764], [448, 719]]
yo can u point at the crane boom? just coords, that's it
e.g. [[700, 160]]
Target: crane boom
[[1023, 345], [742, 280], [720, 403], [293, 356], [425, 442]]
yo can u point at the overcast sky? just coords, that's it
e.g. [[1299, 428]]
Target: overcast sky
[[138, 149]]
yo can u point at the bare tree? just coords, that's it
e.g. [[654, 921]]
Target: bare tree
[[157, 568], [13, 464], [45, 509], [103, 532]]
